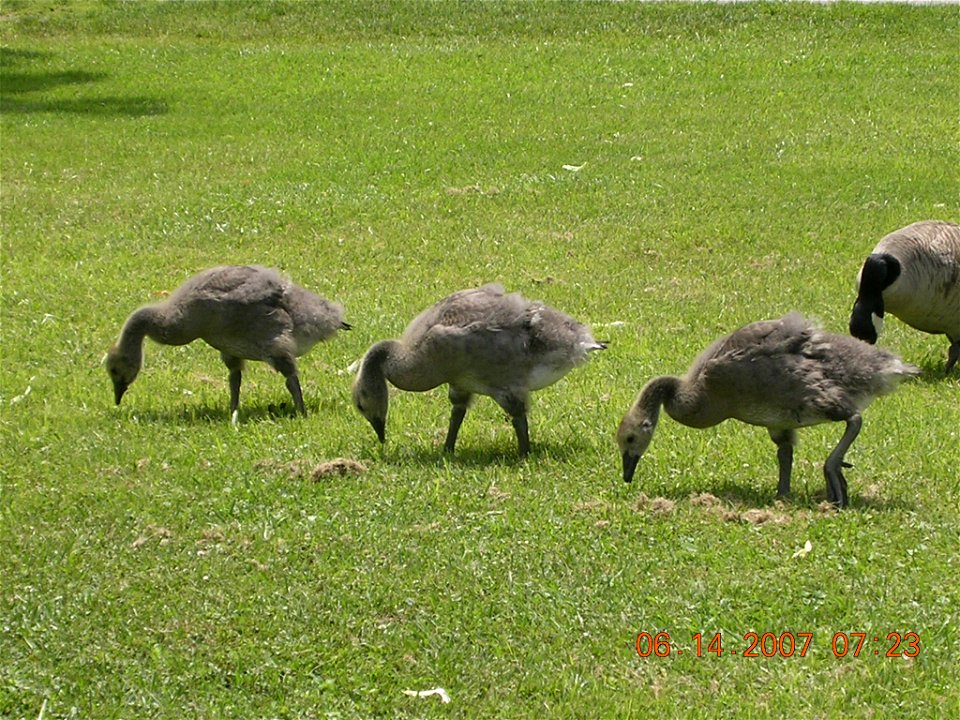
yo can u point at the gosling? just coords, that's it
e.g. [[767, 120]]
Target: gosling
[[479, 341], [781, 374], [245, 312]]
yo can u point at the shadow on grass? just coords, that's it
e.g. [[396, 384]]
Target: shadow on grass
[[503, 455], [737, 495], [745, 497], [879, 504], [17, 81], [750, 497], [209, 414]]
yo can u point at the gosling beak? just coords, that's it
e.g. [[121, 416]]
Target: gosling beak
[[119, 388], [380, 427], [629, 466]]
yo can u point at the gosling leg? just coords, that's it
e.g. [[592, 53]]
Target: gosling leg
[[523, 434], [832, 469], [235, 366], [785, 440], [953, 355], [516, 407], [460, 401], [287, 367], [293, 385]]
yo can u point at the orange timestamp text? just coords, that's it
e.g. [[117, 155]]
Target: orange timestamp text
[[786, 644]]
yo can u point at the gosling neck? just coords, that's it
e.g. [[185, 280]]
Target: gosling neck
[[685, 401], [392, 360], [148, 320], [659, 392]]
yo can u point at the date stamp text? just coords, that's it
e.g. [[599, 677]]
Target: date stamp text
[[786, 644]]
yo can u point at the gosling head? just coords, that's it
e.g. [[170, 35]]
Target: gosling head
[[123, 370], [370, 398], [633, 438]]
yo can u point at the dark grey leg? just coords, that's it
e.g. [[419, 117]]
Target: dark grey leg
[[460, 401], [523, 434], [832, 469], [953, 355], [287, 367], [785, 440], [235, 366], [516, 408], [293, 385]]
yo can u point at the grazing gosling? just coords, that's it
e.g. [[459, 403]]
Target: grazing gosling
[[781, 374], [476, 341], [914, 274], [245, 312]]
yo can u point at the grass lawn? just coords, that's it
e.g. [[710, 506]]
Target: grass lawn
[[665, 173]]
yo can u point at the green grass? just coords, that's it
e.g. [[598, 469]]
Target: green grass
[[738, 162]]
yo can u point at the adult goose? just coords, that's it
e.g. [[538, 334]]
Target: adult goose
[[914, 274]]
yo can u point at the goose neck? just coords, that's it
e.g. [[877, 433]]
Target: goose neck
[[405, 369], [145, 321], [678, 396]]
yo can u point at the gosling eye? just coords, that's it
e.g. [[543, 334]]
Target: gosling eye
[[631, 439]]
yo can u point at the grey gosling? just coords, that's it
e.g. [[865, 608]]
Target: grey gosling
[[781, 374], [914, 274], [477, 341], [245, 312]]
